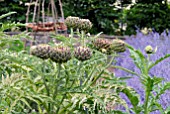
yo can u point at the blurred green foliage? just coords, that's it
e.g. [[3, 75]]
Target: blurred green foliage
[[13, 5], [102, 13], [151, 14], [149, 1]]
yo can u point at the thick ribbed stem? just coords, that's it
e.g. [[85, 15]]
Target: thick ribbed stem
[[78, 72], [82, 39], [71, 37], [56, 87], [64, 96], [57, 84], [46, 86], [146, 103]]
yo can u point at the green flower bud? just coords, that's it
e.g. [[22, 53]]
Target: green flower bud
[[42, 51], [103, 45], [149, 49], [118, 45], [72, 22], [82, 53], [60, 54], [84, 24]]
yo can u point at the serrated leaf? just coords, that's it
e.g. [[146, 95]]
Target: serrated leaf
[[138, 58], [25, 102], [32, 99], [158, 107], [7, 14], [159, 60], [125, 69], [165, 87], [134, 99], [98, 35], [157, 80]]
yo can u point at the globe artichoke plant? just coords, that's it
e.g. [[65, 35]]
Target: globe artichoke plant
[[33, 86], [42, 51]]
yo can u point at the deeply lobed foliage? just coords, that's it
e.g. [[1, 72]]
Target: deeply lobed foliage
[[24, 78], [32, 85]]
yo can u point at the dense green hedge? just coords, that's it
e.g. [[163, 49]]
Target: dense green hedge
[[13, 5], [150, 15]]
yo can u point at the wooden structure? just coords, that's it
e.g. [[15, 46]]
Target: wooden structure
[[40, 20]]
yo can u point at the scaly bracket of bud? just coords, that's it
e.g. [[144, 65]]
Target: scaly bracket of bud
[[42, 51], [118, 45], [84, 24], [72, 22], [82, 53], [60, 54], [103, 45]]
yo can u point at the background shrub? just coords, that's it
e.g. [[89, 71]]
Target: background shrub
[[150, 14], [13, 5]]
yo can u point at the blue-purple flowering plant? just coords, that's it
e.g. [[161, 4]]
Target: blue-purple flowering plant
[[152, 85], [140, 41]]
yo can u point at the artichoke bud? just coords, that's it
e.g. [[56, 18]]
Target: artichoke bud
[[72, 22], [118, 45], [33, 50], [60, 54], [82, 53], [149, 49], [103, 45], [84, 24], [42, 51]]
